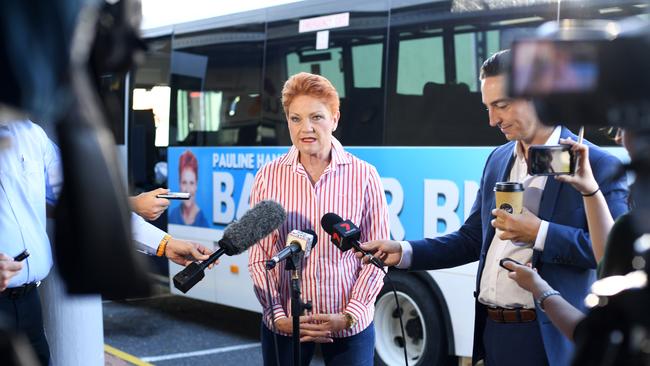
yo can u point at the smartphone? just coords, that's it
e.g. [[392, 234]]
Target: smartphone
[[550, 160], [21, 257], [503, 260], [175, 196]]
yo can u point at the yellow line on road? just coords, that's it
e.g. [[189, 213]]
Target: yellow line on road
[[125, 356]]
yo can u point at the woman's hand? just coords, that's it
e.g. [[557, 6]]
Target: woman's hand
[[583, 179], [527, 278], [309, 332], [321, 326]]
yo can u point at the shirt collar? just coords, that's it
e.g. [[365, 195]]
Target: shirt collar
[[339, 156], [554, 139]]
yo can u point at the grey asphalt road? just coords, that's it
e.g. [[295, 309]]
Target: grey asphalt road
[[173, 330]]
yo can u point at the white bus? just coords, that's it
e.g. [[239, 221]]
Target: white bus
[[407, 74]]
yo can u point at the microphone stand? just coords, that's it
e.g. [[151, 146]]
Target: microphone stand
[[297, 306]]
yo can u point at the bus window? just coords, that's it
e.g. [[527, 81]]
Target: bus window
[[421, 61], [466, 60], [492, 40], [216, 81], [367, 65], [434, 91]]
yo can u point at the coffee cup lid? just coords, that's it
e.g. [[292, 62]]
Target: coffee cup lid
[[509, 187]]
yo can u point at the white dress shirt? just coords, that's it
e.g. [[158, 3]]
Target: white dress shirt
[[30, 177]]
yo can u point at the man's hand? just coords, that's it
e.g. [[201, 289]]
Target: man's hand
[[8, 269], [148, 205], [519, 228], [527, 278], [185, 252], [388, 251], [308, 332]]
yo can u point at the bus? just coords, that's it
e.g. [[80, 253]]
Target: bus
[[407, 75]]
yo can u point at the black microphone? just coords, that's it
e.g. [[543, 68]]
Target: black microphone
[[254, 225], [297, 242], [345, 235]]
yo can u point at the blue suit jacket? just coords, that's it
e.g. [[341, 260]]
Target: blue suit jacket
[[567, 262]]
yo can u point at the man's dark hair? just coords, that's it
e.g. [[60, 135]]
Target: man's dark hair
[[496, 64]]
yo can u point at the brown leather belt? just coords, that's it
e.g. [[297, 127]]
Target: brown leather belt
[[501, 315]]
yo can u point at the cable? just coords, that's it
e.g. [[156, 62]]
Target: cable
[[275, 336], [399, 312]]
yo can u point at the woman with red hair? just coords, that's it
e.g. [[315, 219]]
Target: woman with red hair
[[317, 176], [188, 213]]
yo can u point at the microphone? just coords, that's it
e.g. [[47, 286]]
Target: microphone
[[254, 225], [297, 242], [345, 235]]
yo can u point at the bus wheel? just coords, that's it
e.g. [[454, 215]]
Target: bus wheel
[[423, 327]]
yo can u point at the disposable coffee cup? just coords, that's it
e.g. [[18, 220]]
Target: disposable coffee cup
[[509, 196]]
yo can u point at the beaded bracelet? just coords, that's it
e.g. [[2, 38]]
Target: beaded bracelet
[[163, 246]]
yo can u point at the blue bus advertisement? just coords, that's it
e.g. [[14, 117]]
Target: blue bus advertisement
[[430, 190]]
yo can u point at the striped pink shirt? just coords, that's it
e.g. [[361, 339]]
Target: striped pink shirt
[[332, 280]]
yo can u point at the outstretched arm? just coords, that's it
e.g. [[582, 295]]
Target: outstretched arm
[[563, 315], [599, 219]]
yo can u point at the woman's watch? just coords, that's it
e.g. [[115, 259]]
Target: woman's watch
[[350, 320]]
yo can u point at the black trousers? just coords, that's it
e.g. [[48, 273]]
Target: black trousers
[[23, 315]]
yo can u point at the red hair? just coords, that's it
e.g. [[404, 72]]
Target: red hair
[[312, 85], [188, 160]]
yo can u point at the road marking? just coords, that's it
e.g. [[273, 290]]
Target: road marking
[[125, 356], [200, 353]]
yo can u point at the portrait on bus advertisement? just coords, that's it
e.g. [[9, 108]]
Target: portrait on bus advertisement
[[188, 212]]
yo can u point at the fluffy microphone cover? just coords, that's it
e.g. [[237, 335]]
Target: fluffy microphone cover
[[256, 224]]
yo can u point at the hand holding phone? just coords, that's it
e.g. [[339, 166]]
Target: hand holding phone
[[175, 196], [20, 257], [550, 160], [504, 260]]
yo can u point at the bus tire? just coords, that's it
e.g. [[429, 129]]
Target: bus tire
[[423, 324]]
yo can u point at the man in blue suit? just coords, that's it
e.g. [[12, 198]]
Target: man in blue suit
[[551, 233]]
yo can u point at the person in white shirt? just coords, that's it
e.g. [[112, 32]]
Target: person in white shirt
[[30, 180]]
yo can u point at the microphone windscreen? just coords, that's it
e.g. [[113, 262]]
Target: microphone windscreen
[[257, 223], [329, 220]]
